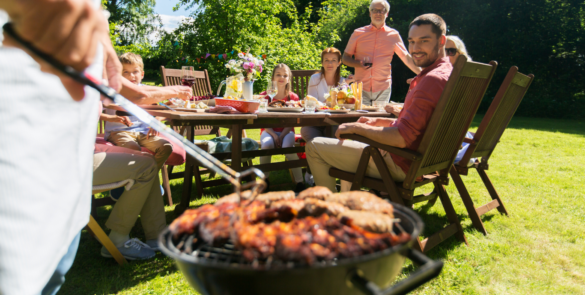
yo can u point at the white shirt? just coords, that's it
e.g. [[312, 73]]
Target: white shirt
[[46, 166], [318, 87]]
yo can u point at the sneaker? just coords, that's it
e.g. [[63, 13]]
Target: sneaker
[[300, 187], [133, 249], [153, 244], [116, 193], [309, 181]]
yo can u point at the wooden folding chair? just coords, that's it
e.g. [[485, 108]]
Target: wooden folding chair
[[97, 231], [484, 142], [437, 151], [201, 87], [300, 81]]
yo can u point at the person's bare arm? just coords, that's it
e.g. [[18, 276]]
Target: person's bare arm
[[384, 135], [350, 62], [152, 94], [375, 121]]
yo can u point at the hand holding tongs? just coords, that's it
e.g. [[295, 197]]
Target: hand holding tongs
[[200, 155]]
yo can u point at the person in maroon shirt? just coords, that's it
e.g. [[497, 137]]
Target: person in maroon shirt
[[426, 42], [281, 136]]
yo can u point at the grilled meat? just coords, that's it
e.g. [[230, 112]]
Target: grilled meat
[[295, 204], [334, 225], [316, 192], [277, 104], [314, 207], [233, 198], [189, 221], [370, 221], [309, 207], [363, 201], [325, 238], [270, 197], [216, 232], [254, 240]]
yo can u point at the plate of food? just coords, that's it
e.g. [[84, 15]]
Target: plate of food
[[333, 110], [284, 106], [284, 109]]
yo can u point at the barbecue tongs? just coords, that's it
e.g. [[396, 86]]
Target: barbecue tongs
[[235, 178]]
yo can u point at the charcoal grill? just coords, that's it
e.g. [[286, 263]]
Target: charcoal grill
[[222, 270]]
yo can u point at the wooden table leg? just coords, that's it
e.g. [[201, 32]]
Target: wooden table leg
[[237, 147], [188, 177]]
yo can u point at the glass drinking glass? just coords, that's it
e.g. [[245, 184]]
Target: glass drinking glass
[[367, 61], [188, 76], [272, 89], [263, 107], [310, 106], [379, 105]]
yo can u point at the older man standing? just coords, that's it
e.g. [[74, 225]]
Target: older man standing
[[372, 48], [426, 40]]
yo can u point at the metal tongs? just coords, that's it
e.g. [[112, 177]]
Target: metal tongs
[[235, 178]]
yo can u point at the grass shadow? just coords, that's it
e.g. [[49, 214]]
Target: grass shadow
[[575, 127], [106, 275]]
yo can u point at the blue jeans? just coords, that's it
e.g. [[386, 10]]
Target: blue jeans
[[58, 278]]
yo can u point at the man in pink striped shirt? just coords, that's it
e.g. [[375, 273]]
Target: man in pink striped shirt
[[372, 48]]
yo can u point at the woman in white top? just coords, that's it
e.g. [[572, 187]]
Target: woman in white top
[[329, 76]]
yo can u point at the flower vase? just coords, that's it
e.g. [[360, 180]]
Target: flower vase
[[248, 90]]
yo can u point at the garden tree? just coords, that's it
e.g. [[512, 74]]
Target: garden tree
[[135, 20], [223, 26]]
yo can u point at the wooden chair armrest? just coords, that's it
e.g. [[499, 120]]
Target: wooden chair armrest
[[468, 140], [405, 153]]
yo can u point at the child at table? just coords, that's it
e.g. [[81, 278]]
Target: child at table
[[128, 131], [282, 137]]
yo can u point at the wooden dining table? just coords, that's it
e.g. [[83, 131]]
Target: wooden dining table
[[239, 122]]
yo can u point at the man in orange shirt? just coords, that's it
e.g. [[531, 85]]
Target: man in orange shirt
[[372, 48], [426, 39]]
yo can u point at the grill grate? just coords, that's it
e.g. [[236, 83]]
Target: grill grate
[[228, 256]]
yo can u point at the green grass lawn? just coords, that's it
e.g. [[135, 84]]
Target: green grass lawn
[[539, 249]]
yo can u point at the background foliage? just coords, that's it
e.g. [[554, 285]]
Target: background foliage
[[135, 19], [543, 37]]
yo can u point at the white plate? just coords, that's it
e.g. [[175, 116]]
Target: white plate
[[369, 108], [296, 110]]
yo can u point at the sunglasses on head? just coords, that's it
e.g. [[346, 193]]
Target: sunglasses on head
[[451, 51]]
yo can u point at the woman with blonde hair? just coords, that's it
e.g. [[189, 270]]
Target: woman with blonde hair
[[281, 136], [454, 47]]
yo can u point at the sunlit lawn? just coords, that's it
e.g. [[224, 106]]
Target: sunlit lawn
[[539, 249]]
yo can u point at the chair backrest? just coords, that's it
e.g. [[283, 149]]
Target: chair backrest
[[451, 118], [201, 87], [172, 77], [499, 115], [300, 81]]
